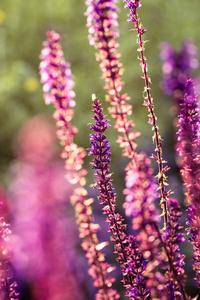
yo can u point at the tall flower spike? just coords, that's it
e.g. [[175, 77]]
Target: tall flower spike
[[177, 67], [189, 138], [57, 79], [148, 101], [132, 263], [102, 21]]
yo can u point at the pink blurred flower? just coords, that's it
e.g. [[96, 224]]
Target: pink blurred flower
[[43, 246]]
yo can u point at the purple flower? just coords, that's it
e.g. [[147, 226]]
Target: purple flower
[[188, 149], [141, 192], [125, 246], [55, 72], [132, 5], [162, 179], [102, 21], [177, 67], [104, 39]]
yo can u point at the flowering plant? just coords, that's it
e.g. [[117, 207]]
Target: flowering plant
[[151, 259]]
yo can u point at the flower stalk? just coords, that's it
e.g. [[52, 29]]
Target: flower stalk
[[102, 23], [169, 221], [188, 149], [177, 69], [129, 257], [148, 101], [58, 83]]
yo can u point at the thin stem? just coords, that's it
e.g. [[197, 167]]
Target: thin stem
[[153, 121]]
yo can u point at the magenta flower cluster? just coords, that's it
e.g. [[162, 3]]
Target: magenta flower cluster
[[188, 135], [178, 67]]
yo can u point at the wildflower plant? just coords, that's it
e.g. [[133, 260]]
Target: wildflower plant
[[58, 84], [188, 136], [150, 252], [177, 67], [126, 247], [103, 31]]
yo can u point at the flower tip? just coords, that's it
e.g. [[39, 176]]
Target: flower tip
[[53, 35], [94, 97], [189, 89]]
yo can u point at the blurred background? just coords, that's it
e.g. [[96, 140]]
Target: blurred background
[[23, 25]]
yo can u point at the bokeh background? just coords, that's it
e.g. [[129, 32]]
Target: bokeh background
[[23, 25]]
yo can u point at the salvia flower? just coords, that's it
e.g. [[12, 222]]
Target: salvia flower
[[58, 84], [177, 67], [56, 73], [148, 101], [132, 263], [162, 179], [188, 149], [99, 12], [102, 23], [132, 5], [101, 18]]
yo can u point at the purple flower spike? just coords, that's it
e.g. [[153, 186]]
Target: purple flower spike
[[188, 149], [102, 23], [148, 101], [101, 17], [55, 72], [188, 136], [162, 179], [141, 192], [132, 5], [131, 260], [177, 67]]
